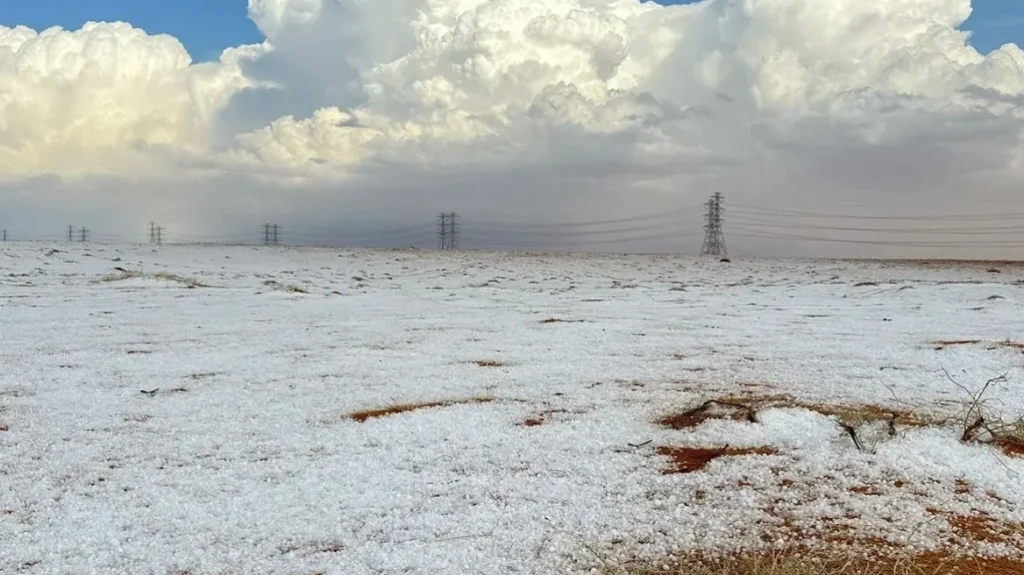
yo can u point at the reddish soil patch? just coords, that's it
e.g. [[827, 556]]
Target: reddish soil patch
[[1011, 446], [983, 529], [362, 416], [713, 409], [542, 417], [865, 490], [690, 459]]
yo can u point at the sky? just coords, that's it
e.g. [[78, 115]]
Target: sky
[[206, 28], [835, 128]]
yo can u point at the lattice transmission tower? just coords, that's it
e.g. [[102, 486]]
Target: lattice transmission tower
[[448, 231], [156, 233], [271, 235], [714, 238]]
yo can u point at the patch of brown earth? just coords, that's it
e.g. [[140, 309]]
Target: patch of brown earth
[[542, 417], [1013, 446], [944, 343], [490, 363], [362, 416], [713, 409], [691, 459], [985, 529]]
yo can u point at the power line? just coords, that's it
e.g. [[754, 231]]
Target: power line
[[774, 212], [752, 233], [987, 230], [666, 216]]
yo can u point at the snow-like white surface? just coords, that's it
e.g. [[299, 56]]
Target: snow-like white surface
[[244, 462]]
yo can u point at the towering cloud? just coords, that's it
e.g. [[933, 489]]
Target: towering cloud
[[102, 99], [839, 97]]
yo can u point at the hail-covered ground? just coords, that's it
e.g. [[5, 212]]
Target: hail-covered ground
[[188, 409]]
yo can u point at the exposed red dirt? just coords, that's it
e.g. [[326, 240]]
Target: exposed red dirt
[[542, 417], [690, 459], [362, 416], [714, 409], [1012, 446]]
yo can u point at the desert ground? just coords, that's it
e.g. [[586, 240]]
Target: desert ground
[[208, 410]]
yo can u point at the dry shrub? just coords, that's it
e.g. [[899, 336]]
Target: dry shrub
[[361, 416], [982, 423]]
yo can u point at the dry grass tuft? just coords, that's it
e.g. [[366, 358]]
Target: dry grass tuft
[[744, 407], [362, 416], [289, 288], [551, 320], [690, 459], [842, 562], [856, 415], [490, 363], [190, 283], [1007, 343], [123, 274], [944, 343]]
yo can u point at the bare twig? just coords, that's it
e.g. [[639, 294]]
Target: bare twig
[[853, 434]]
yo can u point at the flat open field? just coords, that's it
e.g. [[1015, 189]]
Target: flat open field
[[208, 410]]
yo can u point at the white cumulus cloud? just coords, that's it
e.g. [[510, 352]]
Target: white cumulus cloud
[[790, 99], [96, 99]]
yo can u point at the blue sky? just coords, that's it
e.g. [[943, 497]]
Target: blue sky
[[206, 27]]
